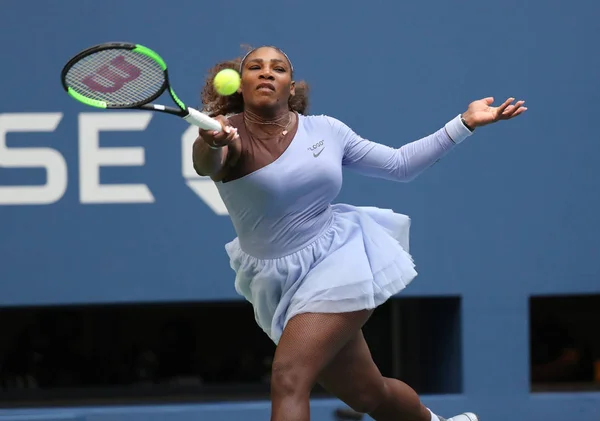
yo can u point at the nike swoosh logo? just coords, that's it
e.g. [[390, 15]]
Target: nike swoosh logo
[[318, 153]]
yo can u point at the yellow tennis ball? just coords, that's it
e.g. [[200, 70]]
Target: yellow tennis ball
[[227, 82]]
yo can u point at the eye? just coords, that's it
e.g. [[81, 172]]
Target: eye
[[254, 67], [280, 69]]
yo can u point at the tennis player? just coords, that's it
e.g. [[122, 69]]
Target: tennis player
[[315, 271]]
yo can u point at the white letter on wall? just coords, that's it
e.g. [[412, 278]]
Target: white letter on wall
[[92, 157], [48, 158]]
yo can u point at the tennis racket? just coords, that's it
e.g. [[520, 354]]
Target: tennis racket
[[120, 75]]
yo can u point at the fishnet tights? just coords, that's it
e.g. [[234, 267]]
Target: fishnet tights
[[330, 349]]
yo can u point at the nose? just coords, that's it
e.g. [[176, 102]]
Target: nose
[[266, 74]]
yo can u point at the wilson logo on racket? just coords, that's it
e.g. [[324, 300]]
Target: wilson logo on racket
[[126, 76], [118, 72]]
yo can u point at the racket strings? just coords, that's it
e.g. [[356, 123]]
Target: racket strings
[[116, 76]]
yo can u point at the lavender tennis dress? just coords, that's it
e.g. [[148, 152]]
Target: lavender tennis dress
[[295, 251]]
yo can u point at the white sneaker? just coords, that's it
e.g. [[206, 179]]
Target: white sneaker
[[467, 416]]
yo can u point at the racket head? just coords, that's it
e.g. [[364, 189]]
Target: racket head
[[116, 75]]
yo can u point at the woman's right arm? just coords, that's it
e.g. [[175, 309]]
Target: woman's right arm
[[210, 149], [207, 161]]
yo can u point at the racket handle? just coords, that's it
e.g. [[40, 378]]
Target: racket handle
[[201, 120]]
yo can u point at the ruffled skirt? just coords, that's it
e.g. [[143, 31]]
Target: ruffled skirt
[[357, 263]]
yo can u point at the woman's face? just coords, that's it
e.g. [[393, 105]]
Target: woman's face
[[267, 79]]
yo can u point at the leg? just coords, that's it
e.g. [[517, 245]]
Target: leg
[[354, 378], [308, 343]]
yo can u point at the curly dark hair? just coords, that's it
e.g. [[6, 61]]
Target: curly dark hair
[[215, 104]]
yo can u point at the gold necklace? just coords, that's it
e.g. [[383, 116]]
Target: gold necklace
[[250, 117]]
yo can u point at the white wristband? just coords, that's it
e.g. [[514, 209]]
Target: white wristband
[[214, 147], [457, 130]]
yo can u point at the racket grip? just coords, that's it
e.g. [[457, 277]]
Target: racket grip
[[201, 120]]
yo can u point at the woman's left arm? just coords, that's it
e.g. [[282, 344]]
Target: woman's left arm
[[407, 162]]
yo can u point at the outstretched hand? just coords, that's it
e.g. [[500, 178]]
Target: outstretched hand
[[481, 113]]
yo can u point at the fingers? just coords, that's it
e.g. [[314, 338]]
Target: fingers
[[504, 106], [220, 138], [519, 111], [225, 137], [511, 111]]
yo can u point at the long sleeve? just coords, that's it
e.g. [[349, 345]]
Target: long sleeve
[[399, 164]]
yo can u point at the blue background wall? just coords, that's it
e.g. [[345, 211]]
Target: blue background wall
[[513, 212]]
